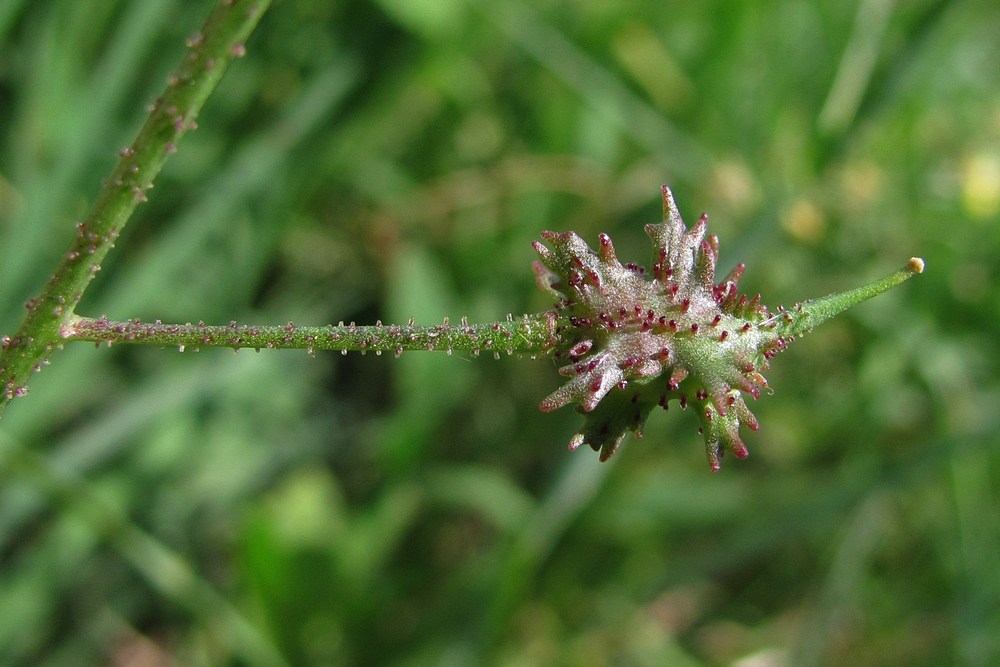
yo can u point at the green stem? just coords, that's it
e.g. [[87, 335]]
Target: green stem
[[810, 314], [171, 116], [530, 334]]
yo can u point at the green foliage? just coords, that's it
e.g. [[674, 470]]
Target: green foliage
[[390, 160]]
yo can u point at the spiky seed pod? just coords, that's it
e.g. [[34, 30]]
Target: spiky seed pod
[[631, 339]]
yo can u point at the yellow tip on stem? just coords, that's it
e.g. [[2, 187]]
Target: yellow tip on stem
[[915, 265]]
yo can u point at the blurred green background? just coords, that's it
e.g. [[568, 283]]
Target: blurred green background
[[394, 159]]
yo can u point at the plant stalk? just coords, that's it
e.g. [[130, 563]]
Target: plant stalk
[[530, 334], [171, 116]]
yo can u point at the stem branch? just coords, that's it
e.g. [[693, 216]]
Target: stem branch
[[170, 116], [530, 334]]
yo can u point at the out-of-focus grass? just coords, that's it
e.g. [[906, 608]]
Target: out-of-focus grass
[[393, 159]]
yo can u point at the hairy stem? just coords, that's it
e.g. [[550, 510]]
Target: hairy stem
[[170, 116], [530, 334]]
